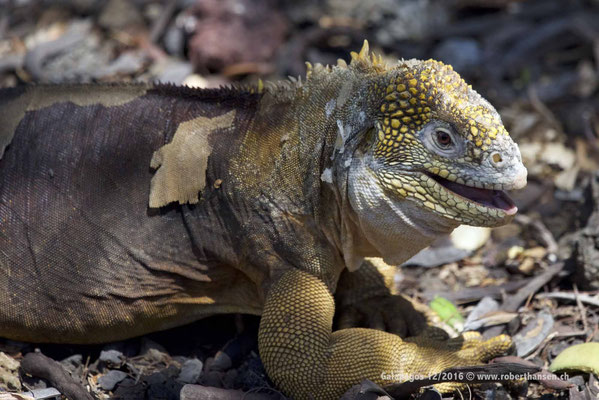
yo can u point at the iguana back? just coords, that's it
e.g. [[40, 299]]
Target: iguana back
[[77, 237]]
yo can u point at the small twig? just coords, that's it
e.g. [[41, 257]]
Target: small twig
[[570, 334], [542, 345], [161, 22], [545, 377], [542, 109], [535, 284], [192, 392], [570, 296], [591, 336], [583, 311], [528, 300], [85, 368]]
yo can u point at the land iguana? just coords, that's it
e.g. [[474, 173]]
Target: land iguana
[[131, 208]]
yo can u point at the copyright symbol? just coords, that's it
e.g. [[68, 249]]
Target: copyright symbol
[[469, 376]]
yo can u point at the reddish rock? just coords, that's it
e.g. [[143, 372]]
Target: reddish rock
[[235, 31]]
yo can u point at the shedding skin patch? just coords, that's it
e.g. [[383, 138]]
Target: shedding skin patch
[[181, 164], [346, 91], [39, 97]]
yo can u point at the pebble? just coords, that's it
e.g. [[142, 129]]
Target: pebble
[[112, 357], [73, 364], [173, 71], [110, 380], [220, 362], [191, 370]]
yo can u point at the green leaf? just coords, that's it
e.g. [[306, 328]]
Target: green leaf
[[581, 357], [446, 311]]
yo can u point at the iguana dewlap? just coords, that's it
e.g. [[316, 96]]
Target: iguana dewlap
[[126, 209]]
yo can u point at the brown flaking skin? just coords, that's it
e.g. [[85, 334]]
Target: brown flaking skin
[[181, 164]]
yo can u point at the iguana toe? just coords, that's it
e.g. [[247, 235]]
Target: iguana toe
[[465, 350], [391, 313], [476, 348]]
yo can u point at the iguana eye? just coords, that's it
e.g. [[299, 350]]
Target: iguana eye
[[440, 138], [443, 138]]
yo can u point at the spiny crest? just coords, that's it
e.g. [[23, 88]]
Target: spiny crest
[[366, 61]]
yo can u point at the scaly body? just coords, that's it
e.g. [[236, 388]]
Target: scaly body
[[132, 208]]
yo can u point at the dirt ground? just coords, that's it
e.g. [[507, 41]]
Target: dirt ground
[[537, 61]]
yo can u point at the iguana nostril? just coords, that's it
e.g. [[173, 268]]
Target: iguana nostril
[[497, 159]]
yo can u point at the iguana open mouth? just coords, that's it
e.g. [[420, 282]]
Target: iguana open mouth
[[486, 197]]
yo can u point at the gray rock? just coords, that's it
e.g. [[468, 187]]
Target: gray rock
[[173, 71], [441, 252], [110, 380], [112, 357], [485, 306], [191, 371], [174, 40], [75, 359], [529, 338], [73, 363]]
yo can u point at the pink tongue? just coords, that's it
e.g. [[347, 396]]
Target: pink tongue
[[502, 200], [490, 198]]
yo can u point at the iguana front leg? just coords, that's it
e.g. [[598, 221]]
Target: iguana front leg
[[365, 298], [307, 360]]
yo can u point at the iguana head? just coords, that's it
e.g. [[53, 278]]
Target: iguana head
[[437, 154], [440, 145]]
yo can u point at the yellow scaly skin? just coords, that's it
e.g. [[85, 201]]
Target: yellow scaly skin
[[307, 360], [299, 350]]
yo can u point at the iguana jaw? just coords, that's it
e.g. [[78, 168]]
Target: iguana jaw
[[380, 223], [488, 198], [453, 199]]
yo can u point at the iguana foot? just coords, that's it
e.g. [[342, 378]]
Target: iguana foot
[[390, 313], [365, 298], [306, 359]]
